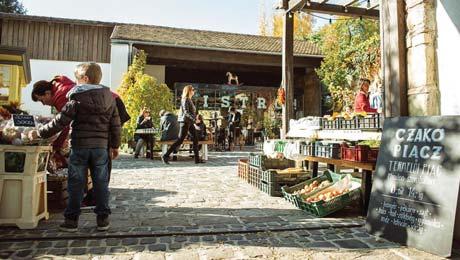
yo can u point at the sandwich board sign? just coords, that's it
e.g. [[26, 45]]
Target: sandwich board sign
[[416, 183]]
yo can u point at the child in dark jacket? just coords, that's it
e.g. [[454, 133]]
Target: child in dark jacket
[[93, 115]]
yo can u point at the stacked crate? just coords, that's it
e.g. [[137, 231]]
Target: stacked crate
[[272, 180]]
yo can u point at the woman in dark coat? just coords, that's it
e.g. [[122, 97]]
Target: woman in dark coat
[[186, 125]]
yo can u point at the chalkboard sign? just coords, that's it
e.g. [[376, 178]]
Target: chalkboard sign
[[23, 120], [416, 183]]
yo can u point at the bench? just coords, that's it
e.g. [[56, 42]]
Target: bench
[[164, 146]]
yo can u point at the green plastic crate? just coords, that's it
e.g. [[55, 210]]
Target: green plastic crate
[[324, 208], [295, 199], [274, 189]]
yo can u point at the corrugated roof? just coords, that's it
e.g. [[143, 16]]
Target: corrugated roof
[[160, 35]]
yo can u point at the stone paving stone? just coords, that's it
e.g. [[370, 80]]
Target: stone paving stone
[[331, 237], [78, 251], [361, 235], [6, 254], [117, 249], [194, 239], [94, 243], [350, 243], [165, 240], [22, 245], [381, 243], [175, 246], [135, 248], [97, 250], [129, 241], [78, 243], [180, 239], [317, 238], [58, 251], [346, 236], [157, 247], [208, 238], [321, 244], [148, 240], [23, 253], [5, 245], [112, 242], [175, 228], [44, 244]]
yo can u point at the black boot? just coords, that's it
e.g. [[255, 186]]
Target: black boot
[[102, 222], [165, 159], [69, 225]]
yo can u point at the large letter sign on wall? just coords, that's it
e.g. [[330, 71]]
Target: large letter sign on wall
[[261, 103], [243, 101], [205, 101], [225, 101], [415, 187]]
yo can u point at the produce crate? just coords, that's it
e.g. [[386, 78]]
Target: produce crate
[[25, 160], [307, 149], [57, 191], [274, 188], [330, 124], [324, 208], [348, 123], [359, 153], [374, 121], [327, 150], [264, 162], [296, 199], [273, 176], [243, 169], [254, 176], [255, 159]]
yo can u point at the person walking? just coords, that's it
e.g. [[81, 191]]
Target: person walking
[[186, 125]]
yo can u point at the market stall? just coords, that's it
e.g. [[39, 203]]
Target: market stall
[[350, 142]]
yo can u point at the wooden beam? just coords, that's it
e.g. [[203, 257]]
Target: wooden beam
[[323, 1], [374, 6], [350, 2], [288, 71], [332, 9], [295, 5], [394, 62]]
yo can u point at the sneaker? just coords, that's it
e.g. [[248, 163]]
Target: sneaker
[[69, 225], [165, 159], [103, 222], [174, 158]]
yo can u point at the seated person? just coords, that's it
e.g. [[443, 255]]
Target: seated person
[[362, 100], [200, 127], [143, 121], [169, 128]]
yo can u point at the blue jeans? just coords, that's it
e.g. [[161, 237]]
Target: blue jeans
[[97, 161]]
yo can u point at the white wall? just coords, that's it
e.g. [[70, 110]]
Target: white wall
[[46, 70], [448, 25], [156, 71], [119, 59]]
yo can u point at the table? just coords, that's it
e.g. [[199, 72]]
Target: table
[[366, 175], [151, 133]]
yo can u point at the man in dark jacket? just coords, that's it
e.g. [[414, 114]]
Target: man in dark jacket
[[169, 127], [93, 115]]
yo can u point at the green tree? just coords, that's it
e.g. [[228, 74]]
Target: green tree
[[12, 6], [139, 90], [351, 49]]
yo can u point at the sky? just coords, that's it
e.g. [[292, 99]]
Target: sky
[[238, 16]]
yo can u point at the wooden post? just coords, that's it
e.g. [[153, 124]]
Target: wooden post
[[288, 71], [394, 64]]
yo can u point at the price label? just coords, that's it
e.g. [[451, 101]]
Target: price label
[[23, 120]]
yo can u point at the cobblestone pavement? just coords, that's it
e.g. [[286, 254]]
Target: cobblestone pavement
[[188, 211]]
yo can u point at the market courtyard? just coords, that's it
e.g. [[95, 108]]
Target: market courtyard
[[184, 211]]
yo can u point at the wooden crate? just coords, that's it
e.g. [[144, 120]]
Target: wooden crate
[[243, 169]]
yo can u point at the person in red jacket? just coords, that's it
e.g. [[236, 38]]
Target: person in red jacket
[[362, 99], [54, 93]]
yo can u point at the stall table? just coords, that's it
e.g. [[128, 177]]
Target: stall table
[[366, 175]]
